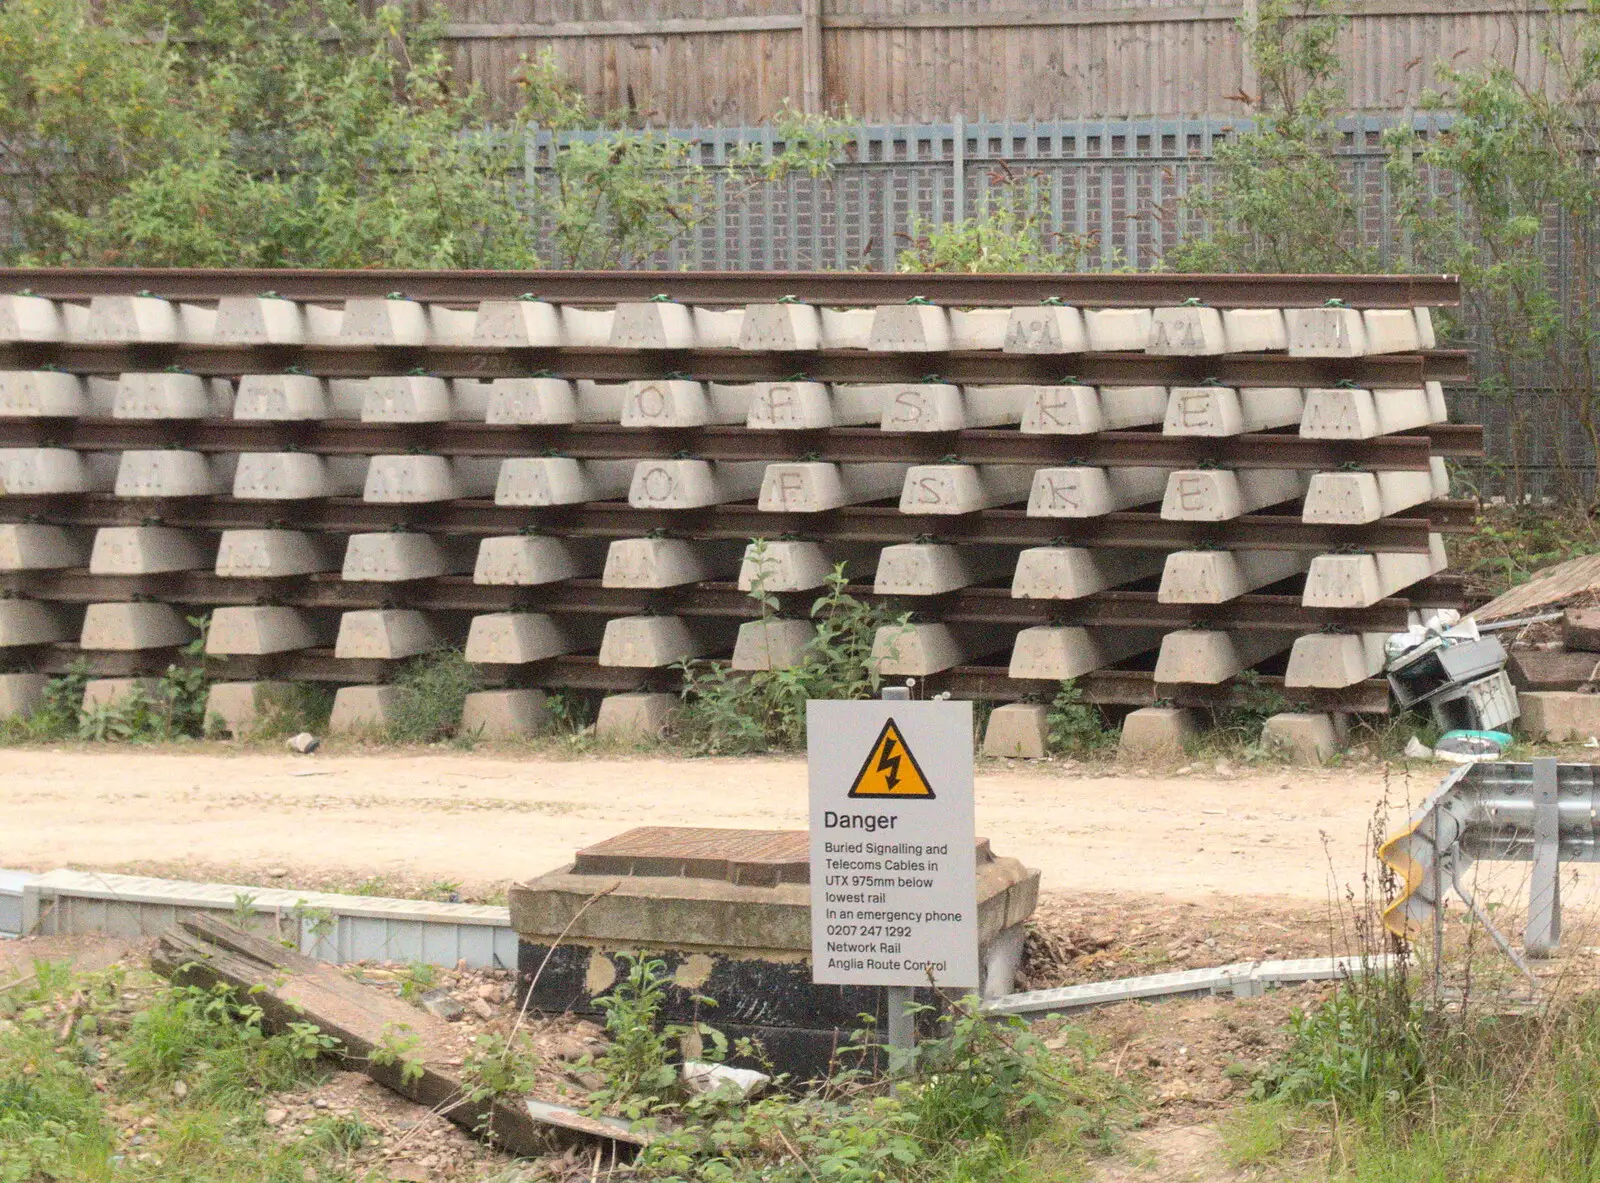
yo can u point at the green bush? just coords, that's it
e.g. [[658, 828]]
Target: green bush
[[1077, 727], [431, 691]]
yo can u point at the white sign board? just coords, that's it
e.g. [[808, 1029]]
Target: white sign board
[[894, 876]]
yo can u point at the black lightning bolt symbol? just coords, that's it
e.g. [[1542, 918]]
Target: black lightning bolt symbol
[[889, 762]]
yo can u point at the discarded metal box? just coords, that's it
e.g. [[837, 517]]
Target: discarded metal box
[[1432, 668], [729, 913], [1488, 704]]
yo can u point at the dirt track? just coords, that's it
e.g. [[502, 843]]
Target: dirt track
[[481, 819]]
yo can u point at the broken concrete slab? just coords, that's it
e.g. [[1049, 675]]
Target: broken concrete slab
[[816, 486], [634, 718], [1083, 492], [1158, 731], [1071, 572], [1056, 652], [1210, 656], [529, 560], [32, 546], [1226, 410], [963, 488], [259, 629], [1217, 495], [1084, 410], [506, 714], [1018, 730], [561, 480], [146, 550], [297, 476], [1216, 576], [45, 394], [668, 562], [772, 644], [281, 397], [386, 634], [275, 554], [693, 484], [1045, 328], [781, 328], [127, 627]]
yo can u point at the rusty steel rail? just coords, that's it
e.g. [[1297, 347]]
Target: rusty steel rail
[[975, 605], [732, 365], [843, 288], [1106, 687], [859, 523], [844, 445]]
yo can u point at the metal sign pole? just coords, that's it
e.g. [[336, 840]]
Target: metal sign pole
[[898, 999]]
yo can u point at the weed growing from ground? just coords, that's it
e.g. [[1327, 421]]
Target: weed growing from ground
[[285, 710], [430, 694], [1077, 728]]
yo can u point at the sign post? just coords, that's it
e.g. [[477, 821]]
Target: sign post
[[894, 891]]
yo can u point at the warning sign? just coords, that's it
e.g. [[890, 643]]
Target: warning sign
[[890, 769], [894, 893]]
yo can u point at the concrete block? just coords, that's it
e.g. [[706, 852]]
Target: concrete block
[[1190, 330], [31, 622], [1426, 338], [406, 399], [323, 323], [560, 480], [1208, 656], [126, 627], [651, 642], [1081, 492], [517, 638], [21, 694], [259, 320], [275, 554], [1158, 731], [529, 560], [1071, 572], [133, 320], [717, 328], [634, 718], [239, 704], [586, 327], [846, 328], [909, 328], [1391, 330], [505, 714], [678, 402], [30, 546], [393, 557], [1084, 410], [168, 474], [917, 650], [1216, 576], [517, 324], [667, 562], [940, 406], [772, 644], [384, 320], [1225, 410], [1360, 580], [1217, 495], [1341, 413], [30, 318], [963, 488], [146, 550], [781, 328], [1045, 328], [934, 568], [103, 692], [386, 634], [785, 566], [1333, 661], [537, 401], [1054, 652], [43, 394], [805, 406], [451, 326], [279, 397], [655, 324], [693, 484], [1117, 330], [1349, 498], [171, 396], [197, 323], [259, 629], [34, 471], [1254, 330], [1562, 716], [815, 486], [297, 476], [1306, 737], [979, 328], [1438, 412], [1325, 332], [394, 480], [1018, 730], [363, 709]]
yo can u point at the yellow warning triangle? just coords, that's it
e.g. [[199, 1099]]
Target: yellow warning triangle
[[890, 769]]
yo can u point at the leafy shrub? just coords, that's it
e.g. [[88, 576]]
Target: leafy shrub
[[1077, 727], [284, 710], [1010, 233], [431, 692]]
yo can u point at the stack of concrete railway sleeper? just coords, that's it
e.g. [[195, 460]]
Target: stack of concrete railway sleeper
[[1173, 490]]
